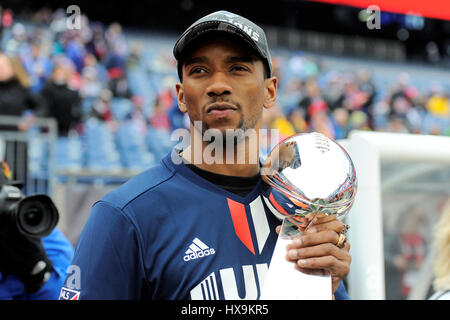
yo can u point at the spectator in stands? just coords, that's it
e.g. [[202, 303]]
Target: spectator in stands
[[101, 109], [339, 119], [137, 114], [312, 92], [37, 65], [91, 61], [353, 98], [381, 111], [134, 58], [333, 91], [274, 118], [58, 23], [61, 102], [438, 106], [16, 100], [118, 83], [366, 86], [91, 85], [416, 114], [401, 96], [16, 44], [160, 118], [116, 64], [319, 121], [358, 120], [296, 117], [116, 60], [397, 124], [400, 106], [75, 51], [15, 96], [97, 44], [115, 40]]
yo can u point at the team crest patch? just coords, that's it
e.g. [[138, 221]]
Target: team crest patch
[[68, 294]]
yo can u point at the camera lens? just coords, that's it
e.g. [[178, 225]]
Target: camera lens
[[36, 216], [33, 216]]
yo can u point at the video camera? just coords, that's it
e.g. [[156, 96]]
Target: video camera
[[33, 216], [23, 222]]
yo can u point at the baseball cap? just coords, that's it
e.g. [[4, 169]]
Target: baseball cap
[[225, 22]]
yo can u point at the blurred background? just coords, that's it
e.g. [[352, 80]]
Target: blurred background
[[87, 101]]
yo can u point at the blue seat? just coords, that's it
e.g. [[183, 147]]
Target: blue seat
[[132, 147], [69, 153], [101, 151], [159, 142], [121, 108]]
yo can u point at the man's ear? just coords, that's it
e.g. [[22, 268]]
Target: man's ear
[[270, 92], [180, 98]]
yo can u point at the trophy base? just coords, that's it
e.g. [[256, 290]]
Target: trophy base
[[283, 281]]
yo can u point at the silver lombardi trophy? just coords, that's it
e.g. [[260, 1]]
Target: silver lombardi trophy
[[308, 174]]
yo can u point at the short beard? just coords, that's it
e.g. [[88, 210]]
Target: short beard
[[233, 136]]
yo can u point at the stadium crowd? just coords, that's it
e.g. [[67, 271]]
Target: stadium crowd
[[100, 75]]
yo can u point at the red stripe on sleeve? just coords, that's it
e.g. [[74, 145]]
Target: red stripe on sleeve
[[276, 205]]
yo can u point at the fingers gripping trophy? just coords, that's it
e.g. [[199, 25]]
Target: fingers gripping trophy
[[308, 175]]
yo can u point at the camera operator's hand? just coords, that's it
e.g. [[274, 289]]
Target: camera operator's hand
[[25, 257]]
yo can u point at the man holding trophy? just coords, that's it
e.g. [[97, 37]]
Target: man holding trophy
[[203, 225]]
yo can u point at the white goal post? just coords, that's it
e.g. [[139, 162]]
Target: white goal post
[[368, 150]]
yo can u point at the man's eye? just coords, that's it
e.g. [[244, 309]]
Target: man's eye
[[239, 68], [197, 70]]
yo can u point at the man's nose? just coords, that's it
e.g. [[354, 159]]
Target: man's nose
[[219, 85]]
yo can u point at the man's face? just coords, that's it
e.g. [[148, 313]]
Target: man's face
[[224, 86]]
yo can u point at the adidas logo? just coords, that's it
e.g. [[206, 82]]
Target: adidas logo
[[197, 249]]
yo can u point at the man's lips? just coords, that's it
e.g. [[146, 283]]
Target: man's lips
[[220, 109]]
